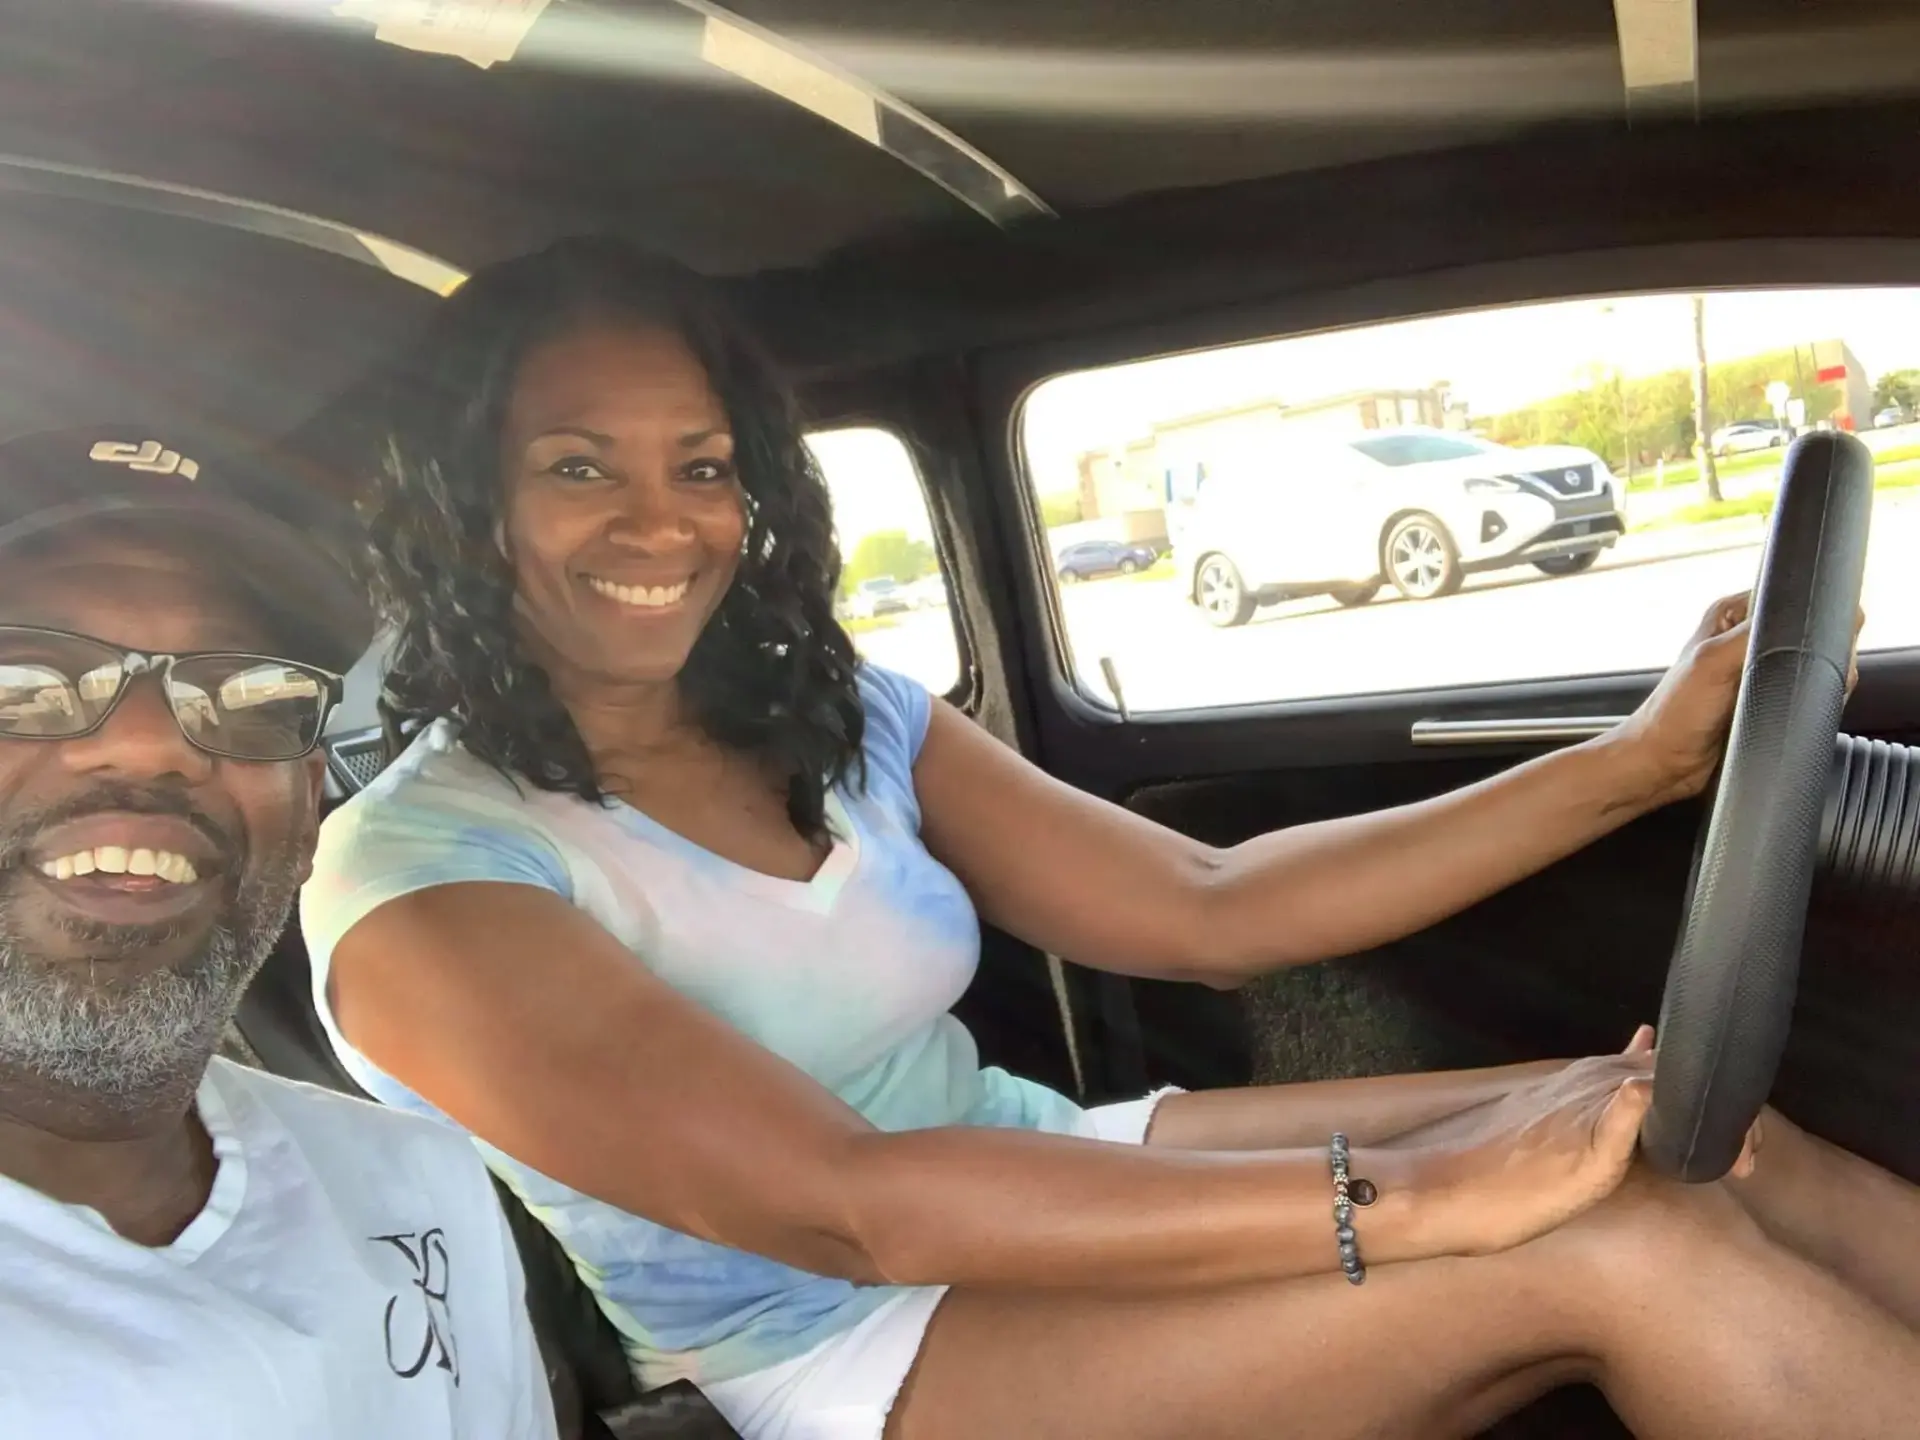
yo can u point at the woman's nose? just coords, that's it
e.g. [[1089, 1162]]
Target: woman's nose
[[650, 514]]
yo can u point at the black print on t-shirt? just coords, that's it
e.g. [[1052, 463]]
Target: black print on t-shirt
[[419, 1326]]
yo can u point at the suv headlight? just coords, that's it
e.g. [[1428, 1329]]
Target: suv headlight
[[1492, 485]]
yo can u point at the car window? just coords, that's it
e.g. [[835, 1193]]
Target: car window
[[1398, 450], [893, 596], [1536, 500]]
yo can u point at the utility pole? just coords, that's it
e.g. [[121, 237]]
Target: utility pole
[[1702, 413]]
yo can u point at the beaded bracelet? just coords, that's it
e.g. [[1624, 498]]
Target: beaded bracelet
[[1347, 1194]]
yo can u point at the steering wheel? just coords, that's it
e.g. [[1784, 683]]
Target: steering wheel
[[1731, 985]]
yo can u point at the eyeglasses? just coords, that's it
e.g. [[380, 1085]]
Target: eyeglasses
[[55, 685]]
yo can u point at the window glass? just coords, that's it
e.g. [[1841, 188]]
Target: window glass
[[893, 598], [1415, 448], [1513, 494]]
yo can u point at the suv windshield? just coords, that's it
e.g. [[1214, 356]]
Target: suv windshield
[[1398, 450]]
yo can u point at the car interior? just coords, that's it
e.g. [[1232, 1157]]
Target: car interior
[[218, 215]]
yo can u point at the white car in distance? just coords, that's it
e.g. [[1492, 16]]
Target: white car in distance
[[873, 598], [929, 592], [1748, 437], [1416, 508]]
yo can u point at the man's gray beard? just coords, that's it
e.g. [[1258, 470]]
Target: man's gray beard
[[124, 1041]]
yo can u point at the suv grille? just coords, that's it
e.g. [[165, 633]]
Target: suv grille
[[1577, 530], [1572, 480]]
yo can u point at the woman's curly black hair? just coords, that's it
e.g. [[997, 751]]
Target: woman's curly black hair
[[773, 674]]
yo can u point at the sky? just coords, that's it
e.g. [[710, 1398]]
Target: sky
[[1495, 361], [873, 482]]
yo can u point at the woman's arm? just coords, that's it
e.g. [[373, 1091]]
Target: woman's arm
[[532, 1027], [1372, 1110], [1113, 890]]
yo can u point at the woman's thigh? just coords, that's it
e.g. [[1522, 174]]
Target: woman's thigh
[[1315, 1357], [1694, 1322]]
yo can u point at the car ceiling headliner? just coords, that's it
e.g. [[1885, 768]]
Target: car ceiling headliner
[[608, 120]]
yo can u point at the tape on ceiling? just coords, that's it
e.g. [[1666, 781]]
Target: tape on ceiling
[[484, 32]]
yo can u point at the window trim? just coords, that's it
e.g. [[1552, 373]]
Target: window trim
[[1010, 377]]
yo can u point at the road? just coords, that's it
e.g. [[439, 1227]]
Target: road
[[1631, 612]]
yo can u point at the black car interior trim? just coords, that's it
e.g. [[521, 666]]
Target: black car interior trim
[[403, 262]]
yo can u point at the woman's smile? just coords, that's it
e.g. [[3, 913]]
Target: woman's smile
[[656, 598]]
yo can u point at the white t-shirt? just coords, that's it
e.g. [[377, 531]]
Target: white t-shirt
[[351, 1278]]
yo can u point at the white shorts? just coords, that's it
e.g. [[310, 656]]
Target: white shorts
[[843, 1388]]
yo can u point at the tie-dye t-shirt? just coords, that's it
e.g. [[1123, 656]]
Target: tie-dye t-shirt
[[849, 976]]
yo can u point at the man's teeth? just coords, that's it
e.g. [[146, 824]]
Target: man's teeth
[[651, 596], [118, 860]]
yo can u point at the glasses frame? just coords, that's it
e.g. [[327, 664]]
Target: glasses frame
[[136, 663]]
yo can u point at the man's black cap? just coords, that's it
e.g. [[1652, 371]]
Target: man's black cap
[[249, 521]]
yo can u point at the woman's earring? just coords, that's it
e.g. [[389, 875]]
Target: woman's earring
[[500, 539]]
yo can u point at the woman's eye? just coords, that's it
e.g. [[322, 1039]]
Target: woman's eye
[[709, 472], [577, 467]]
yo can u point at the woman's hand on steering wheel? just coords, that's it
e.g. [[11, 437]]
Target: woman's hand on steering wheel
[[1545, 1152], [1680, 731]]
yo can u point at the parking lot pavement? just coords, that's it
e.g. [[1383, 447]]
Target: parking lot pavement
[[1632, 612]]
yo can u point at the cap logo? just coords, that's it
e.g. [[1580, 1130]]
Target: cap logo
[[151, 458]]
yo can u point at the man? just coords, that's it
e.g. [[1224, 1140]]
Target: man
[[188, 1247]]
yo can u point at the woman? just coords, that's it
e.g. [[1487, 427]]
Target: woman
[[668, 899]]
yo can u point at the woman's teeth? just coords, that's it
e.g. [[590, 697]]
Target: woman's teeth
[[652, 597], [118, 860]]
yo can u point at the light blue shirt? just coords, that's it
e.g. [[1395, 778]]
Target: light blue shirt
[[849, 976]]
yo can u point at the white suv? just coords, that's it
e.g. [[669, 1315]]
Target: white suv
[[1422, 509]]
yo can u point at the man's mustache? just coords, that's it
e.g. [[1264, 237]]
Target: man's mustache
[[108, 797]]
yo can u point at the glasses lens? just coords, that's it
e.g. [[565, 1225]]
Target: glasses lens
[[53, 685], [248, 708]]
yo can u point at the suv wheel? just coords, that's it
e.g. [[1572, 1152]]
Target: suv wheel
[[1421, 559], [1221, 593], [1129, 566], [1568, 564]]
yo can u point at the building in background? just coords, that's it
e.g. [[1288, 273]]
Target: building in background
[[1839, 370]]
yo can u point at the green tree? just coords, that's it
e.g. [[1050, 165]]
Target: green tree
[[891, 554], [1899, 388], [1655, 415], [1061, 509]]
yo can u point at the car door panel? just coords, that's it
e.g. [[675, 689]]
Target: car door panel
[[1357, 539], [1324, 524], [1565, 963], [1250, 527]]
